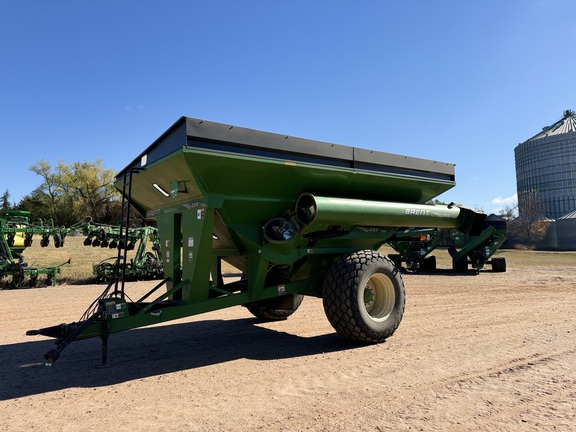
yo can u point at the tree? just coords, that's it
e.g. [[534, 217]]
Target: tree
[[71, 192], [435, 202], [531, 225], [5, 201], [35, 203], [51, 192], [508, 213], [90, 186]]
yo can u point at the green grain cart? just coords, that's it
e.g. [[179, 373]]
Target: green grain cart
[[296, 217]]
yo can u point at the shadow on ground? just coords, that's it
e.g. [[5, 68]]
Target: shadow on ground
[[152, 351]]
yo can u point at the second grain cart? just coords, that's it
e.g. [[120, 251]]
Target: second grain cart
[[296, 217]]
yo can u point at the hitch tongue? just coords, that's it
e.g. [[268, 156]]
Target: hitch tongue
[[53, 355]]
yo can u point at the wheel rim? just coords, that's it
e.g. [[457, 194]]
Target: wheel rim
[[379, 297]]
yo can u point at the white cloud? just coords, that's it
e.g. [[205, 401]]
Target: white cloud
[[506, 201]]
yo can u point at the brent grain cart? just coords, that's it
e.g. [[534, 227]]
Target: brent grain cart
[[296, 217]]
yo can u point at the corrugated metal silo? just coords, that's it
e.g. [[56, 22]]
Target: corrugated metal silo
[[546, 168]]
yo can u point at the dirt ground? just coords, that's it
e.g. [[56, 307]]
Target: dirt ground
[[493, 351]]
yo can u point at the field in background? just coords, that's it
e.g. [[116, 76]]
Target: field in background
[[81, 257], [79, 271]]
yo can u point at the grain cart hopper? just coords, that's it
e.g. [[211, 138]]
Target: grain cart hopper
[[17, 234], [296, 217]]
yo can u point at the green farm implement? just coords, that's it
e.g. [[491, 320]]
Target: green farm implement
[[414, 246], [476, 251], [146, 264], [295, 217], [17, 234]]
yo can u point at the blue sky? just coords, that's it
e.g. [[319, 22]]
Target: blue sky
[[450, 80]]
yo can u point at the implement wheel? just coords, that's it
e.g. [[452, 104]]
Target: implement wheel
[[275, 309], [499, 264], [364, 296], [17, 280]]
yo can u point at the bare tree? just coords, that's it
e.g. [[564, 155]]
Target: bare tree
[[531, 225], [508, 213]]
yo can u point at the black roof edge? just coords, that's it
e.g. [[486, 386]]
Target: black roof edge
[[234, 136]]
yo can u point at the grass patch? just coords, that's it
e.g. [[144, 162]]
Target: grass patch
[[81, 257]]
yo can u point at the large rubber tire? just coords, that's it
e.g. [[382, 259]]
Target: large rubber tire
[[268, 310], [364, 296]]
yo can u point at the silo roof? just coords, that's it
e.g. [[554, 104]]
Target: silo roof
[[571, 215], [565, 125]]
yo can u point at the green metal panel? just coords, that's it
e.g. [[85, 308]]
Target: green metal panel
[[196, 260], [265, 183], [169, 233]]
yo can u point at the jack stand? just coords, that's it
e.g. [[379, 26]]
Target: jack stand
[[104, 336]]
